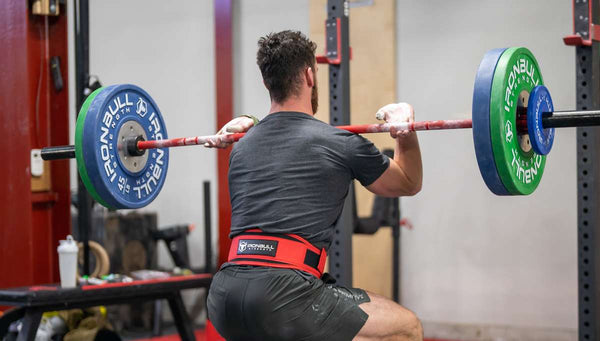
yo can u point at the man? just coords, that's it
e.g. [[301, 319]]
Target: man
[[288, 178]]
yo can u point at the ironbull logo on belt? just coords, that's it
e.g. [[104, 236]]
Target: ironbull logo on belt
[[257, 247]]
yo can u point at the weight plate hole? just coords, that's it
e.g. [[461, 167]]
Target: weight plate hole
[[584, 134], [584, 83], [585, 235], [583, 70], [524, 142], [585, 185], [585, 172], [585, 273], [584, 96], [586, 286], [585, 198], [585, 210]]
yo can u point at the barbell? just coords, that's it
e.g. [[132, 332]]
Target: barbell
[[122, 147]]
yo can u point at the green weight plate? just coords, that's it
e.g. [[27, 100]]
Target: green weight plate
[[519, 167], [83, 173]]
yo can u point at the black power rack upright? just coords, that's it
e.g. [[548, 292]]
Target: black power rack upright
[[586, 39], [386, 211], [338, 57]]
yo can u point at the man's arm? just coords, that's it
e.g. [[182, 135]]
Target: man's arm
[[404, 175]]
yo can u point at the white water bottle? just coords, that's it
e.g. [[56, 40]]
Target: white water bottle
[[67, 262]]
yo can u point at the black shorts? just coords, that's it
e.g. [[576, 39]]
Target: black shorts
[[261, 303]]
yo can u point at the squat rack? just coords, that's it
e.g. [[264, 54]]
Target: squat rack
[[586, 38]]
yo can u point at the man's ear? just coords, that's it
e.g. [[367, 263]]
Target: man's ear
[[310, 77]]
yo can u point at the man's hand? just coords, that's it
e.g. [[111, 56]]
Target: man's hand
[[238, 125], [397, 113], [404, 176]]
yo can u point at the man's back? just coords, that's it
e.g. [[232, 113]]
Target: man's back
[[290, 174]]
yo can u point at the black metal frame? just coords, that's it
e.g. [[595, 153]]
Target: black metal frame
[[386, 212], [588, 169], [208, 251], [588, 197], [340, 253], [82, 71]]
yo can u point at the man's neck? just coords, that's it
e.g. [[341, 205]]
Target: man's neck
[[292, 105]]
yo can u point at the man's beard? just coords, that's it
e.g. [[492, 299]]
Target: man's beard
[[314, 98]]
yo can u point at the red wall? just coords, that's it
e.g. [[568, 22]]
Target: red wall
[[31, 223]]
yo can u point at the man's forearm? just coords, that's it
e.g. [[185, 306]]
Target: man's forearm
[[407, 155]]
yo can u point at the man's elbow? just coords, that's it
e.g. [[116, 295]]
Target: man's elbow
[[417, 184], [416, 188], [408, 190], [412, 190], [393, 187]]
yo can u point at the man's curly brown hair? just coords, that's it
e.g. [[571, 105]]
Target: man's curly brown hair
[[282, 57]]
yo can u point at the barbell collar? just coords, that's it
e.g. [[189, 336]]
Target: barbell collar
[[58, 152], [132, 146]]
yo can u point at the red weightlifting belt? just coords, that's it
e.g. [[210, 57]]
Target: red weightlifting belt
[[289, 251]]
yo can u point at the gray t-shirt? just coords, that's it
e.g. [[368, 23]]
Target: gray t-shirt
[[291, 174]]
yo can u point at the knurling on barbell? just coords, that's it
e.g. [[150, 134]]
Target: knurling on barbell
[[512, 121]]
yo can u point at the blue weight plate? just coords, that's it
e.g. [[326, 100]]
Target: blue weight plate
[[122, 181], [540, 102], [481, 122]]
